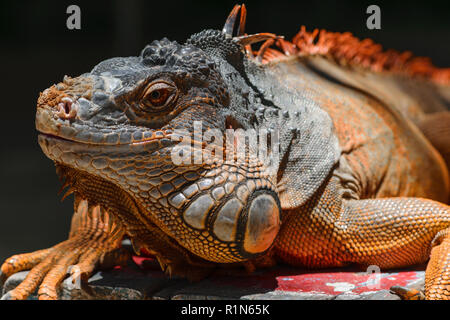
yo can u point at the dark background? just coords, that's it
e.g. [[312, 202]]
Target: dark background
[[37, 50]]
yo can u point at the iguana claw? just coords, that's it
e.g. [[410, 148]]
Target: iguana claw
[[6, 296]]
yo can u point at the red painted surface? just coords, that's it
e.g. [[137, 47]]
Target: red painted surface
[[339, 282], [331, 282]]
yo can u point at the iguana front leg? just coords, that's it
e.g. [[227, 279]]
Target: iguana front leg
[[93, 238], [332, 231]]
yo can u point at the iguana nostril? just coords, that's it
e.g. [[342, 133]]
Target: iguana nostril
[[66, 109], [263, 223]]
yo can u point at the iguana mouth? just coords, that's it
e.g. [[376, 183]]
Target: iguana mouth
[[52, 136], [49, 125], [166, 137]]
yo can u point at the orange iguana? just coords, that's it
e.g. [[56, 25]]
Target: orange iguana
[[361, 176]]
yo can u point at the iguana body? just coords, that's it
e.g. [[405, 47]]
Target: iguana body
[[357, 181]]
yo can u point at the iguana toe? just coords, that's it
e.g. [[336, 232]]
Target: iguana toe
[[76, 256], [94, 241]]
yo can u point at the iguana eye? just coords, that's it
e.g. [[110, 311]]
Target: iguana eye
[[159, 95]]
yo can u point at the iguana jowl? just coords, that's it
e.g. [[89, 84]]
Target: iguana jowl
[[361, 178]]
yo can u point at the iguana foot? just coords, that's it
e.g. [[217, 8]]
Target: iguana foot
[[48, 268], [408, 293], [93, 240]]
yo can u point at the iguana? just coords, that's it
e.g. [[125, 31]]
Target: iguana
[[358, 174]]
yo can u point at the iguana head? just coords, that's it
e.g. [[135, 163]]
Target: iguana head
[[129, 122]]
